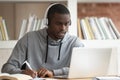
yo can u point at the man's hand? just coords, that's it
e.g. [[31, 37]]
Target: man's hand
[[30, 72], [43, 72]]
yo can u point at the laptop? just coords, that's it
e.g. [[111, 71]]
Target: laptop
[[89, 62]]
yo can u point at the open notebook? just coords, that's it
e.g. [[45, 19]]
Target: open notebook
[[92, 62]]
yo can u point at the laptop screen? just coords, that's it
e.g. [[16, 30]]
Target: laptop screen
[[91, 62]]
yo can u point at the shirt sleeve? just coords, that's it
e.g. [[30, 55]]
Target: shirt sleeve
[[63, 71], [15, 61], [78, 43]]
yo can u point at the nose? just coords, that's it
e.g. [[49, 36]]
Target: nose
[[63, 27]]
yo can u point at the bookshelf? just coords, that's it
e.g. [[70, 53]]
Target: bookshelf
[[16, 13], [15, 10], [7, 44], [98, 8], [19, 9], [110, 10], [22, 9]]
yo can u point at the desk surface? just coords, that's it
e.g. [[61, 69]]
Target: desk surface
[[73, 79], [68, 79]]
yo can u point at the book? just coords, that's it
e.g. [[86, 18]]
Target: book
[[0, 34], [85, 30], [35, 24], [38, 24], [100, 28], [5, 29], [43, 23], [80, 33], [23, 28], [95, 29], [110, 28], [89, 27], [30, 23], [2, 29], [117, 33], [6, 76], [106, 78], [105, 28]]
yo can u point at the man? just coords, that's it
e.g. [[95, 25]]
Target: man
[[48, 51]]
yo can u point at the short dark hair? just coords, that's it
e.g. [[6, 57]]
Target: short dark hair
[[56, 8]]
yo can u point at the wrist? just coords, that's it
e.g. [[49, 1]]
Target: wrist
[[52, 72], [23, 71]]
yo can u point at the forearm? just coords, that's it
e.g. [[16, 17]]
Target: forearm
[[63, 71], [11, 69]]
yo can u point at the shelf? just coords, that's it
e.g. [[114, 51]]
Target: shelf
[[101, 43], [98, 1], [7, 44], [14, 29], [100, 10], [22, 9], [31, 0], [87, 43]]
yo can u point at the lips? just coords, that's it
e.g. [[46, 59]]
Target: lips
[[61, 33]]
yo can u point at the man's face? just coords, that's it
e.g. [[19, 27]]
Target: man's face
[[58, 25]]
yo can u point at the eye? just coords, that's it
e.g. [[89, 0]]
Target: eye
[[61, 24], [68, 23], [58, 23]]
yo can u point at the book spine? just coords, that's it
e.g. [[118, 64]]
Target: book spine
[[35, 24], [30, 23], [110, 28], [80, 34], [105, 28], [2, 29], [23, 28], [95, 28], [89, 28], [100, 28], [5, 29], [117, 33], [84, 29], [38, 24]]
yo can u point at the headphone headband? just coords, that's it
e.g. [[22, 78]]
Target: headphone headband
[[45, 16], [45, 20]]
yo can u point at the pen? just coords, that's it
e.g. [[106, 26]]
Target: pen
[[29, 67]]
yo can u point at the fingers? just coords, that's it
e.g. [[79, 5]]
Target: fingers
[[42, 72], [44, 75], [32, 73]]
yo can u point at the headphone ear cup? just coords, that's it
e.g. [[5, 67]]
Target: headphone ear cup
[[45, 21]]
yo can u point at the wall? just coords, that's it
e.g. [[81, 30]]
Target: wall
[[111, 10]]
